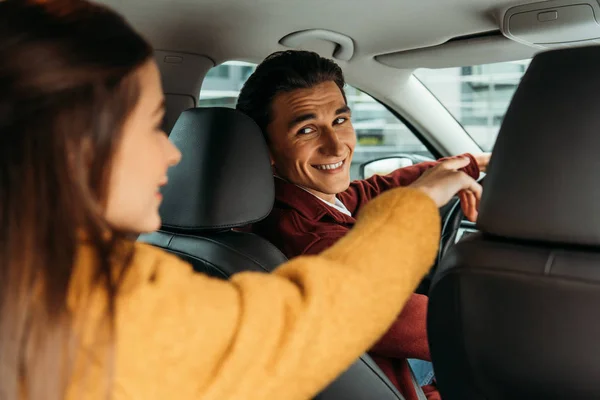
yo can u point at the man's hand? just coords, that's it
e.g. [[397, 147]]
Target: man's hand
[[469, 202], [483, 160], [445, 180]]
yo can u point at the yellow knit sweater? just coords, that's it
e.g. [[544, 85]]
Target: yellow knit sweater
[[285, 335]]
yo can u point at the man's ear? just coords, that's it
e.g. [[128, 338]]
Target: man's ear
[[272, 160]]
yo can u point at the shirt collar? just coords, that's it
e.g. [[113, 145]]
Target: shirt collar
[[307, 204], [338, 205]]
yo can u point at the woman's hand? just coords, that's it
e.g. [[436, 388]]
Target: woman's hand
[[444, 181], [483, 160]]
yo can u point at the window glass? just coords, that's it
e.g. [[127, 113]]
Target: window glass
[[476, 95]]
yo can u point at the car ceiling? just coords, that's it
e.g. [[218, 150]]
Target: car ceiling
[[251, 29], [416, 33]]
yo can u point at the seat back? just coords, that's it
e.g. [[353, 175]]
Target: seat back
[[220, 254], [516, 321], [512, 308], [223, 182]]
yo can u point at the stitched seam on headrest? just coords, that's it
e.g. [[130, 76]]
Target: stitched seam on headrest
[[240, 253], [235, 250], [549, 262], [236, 225], [513, 273], [225, 275], [170, 239]]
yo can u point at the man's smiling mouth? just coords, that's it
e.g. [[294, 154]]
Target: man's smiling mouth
[[330, 167]]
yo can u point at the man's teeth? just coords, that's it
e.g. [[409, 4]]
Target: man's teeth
[[330, 166]]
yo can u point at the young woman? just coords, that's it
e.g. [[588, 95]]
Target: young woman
[[87, 313]]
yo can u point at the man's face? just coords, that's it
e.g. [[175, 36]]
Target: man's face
[[312, 139]]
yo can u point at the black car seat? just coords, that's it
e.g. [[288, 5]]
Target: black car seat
[[513, 309], [223, 182]]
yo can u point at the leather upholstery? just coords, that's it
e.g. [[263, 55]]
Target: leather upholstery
[[220, 255], [200, 210], [224, 178], [512, 320], [542, 181], [512, 310]]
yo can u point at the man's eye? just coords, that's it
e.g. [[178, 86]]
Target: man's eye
[[340, 120], [305, 131]]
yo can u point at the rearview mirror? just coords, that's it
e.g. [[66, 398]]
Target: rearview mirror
[[384, 166]]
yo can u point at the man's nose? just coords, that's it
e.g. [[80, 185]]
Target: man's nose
[[331, 144]]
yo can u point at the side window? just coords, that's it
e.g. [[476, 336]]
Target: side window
[[476, 95], [222, 84], [379, 132]]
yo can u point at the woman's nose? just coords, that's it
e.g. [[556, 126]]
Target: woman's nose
[[173, 154]]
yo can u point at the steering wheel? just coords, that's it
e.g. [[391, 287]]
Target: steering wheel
[[452, 217]]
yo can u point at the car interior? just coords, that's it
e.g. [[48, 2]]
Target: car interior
[[507, 295]]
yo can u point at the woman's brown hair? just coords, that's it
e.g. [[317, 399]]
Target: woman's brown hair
[[67, 84]]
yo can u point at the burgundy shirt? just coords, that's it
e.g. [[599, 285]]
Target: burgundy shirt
[[301, 224]]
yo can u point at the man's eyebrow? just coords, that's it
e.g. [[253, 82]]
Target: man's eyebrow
[[301, 118], [342, 110]]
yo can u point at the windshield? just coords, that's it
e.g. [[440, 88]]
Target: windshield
[[476, 95]]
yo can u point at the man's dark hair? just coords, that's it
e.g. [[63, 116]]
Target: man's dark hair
[[284, 71]]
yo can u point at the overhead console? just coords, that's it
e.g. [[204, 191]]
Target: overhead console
[[552, 24], [524, 30]]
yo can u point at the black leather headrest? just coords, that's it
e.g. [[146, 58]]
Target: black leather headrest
[[543, 182], [224, 179]]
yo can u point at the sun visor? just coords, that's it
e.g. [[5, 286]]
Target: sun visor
[[485, 48]]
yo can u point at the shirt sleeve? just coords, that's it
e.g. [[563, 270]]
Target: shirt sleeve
[[407, 337], [361, 192]]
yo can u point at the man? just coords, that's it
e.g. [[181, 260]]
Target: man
[[297, 98]]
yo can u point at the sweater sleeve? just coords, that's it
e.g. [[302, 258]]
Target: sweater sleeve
[[407, 336], [284, 335], [362, 191]]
